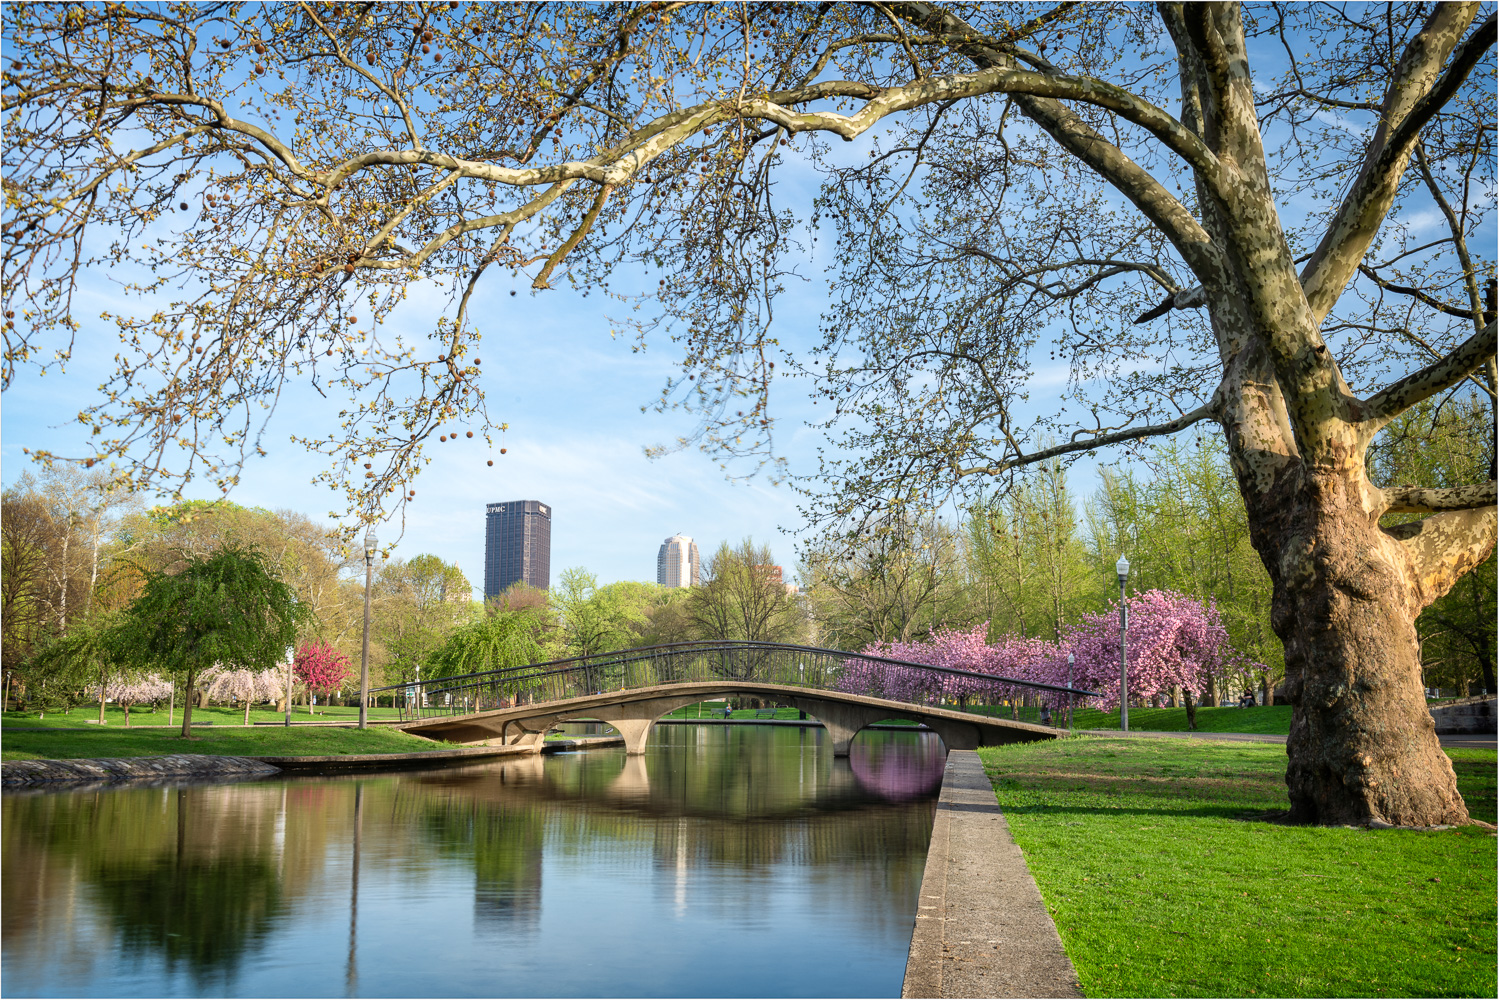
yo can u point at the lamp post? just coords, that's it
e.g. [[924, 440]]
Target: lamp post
[[364, 652], [1070, 697], [289, 661], [1122, 568]]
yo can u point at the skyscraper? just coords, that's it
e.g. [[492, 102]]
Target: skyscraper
[[517, 545], [676, 562]]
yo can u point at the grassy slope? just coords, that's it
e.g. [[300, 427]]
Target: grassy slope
[[1270, 719], [1159, 887], [88, 715], [109, 741]]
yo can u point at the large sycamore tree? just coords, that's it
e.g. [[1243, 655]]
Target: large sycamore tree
[[1302, 193]]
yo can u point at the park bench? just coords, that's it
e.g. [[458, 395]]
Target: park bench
[[766, 713]]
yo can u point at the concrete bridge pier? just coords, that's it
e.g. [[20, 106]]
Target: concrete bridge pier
[[634, 720], [844, 721], [527, 733]]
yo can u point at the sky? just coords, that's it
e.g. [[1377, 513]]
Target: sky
[[572, 397]]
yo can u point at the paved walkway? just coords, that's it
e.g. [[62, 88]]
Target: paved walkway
[[981, 927]]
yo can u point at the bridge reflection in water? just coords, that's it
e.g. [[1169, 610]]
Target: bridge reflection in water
[[631, 689]]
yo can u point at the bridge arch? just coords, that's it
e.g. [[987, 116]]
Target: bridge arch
[[633, 713]]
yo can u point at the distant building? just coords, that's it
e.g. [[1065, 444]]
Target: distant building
[[775, 575], [677, 563], [517, 545]]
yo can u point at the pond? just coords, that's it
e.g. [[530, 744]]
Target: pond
[[727, 861]]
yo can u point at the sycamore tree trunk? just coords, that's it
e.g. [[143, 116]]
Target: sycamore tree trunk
[[1362, 747]]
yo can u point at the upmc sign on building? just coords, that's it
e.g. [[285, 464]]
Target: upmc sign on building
[[517, 545]]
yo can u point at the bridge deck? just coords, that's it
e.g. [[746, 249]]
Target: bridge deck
[[634, 711]]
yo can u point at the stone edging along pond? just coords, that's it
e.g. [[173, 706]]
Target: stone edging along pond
[[18, 774], [21, 773]]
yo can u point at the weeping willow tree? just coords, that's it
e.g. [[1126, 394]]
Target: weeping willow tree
[[494, 641], [226, 609]]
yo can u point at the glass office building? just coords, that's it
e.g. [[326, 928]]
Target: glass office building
[[517, 545]]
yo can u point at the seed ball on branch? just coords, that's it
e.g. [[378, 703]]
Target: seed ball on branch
[[470, 433], [502, 451], [490, 462]]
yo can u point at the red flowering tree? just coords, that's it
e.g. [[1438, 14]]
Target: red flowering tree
[[321, 667]]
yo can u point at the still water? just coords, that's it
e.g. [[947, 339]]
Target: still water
[[728, 861]]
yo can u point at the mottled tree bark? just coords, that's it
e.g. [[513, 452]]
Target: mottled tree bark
[[1362, 747]]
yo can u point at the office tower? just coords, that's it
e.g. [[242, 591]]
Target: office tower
[[676, 562], [517, 545]]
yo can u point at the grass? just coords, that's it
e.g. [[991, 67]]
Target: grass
[[1272, 720], [714, 710], [1268, 719], [1160, 887], [88, 715], [255, 741]]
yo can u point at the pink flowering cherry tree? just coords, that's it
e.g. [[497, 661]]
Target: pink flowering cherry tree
[[126, 692], [321, 667], [1174, 640]]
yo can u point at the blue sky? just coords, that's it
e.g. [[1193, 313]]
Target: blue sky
[[572, 398]]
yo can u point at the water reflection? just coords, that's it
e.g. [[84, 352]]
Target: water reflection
[[584, 874]]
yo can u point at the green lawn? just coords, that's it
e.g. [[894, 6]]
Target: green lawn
[[1160, 887], [88, 715], [111, 741], [1272, 719], [1269, 719]]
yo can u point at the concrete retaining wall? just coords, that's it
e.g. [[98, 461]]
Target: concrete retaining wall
[[22, 773], [982, 929], [1469, 715]]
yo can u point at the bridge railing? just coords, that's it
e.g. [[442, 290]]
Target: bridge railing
[[711, 662]]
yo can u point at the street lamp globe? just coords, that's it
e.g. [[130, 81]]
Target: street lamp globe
[[370, 541], [1122, 568]]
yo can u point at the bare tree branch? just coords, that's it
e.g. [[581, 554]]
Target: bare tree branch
[[1426, 500], [1415, 95], [1469, 356]]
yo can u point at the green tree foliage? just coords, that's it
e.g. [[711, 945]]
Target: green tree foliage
[[1447, 443], [1179, 518], [742, 596], [226, 608], [597, 619], [417, 603], [85, 656], [1028, 567], [301, 552], [896, 579], [492, 641], [57, 560]]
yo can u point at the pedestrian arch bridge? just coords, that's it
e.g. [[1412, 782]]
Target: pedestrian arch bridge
[[631, 689]]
